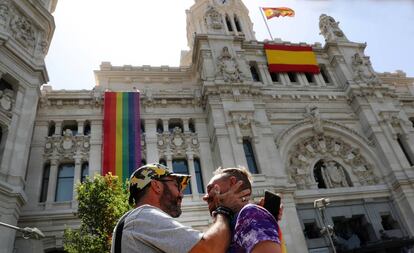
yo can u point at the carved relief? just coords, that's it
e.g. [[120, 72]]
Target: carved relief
[[23, 31], [177, 143], [4, 13], [312, 113], [228, 68], [67, 146], [245, 125], [363, 71], [303, 155], [6, 100], [329, 28], [213, 19]]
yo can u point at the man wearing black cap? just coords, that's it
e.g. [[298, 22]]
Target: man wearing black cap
[[150, 227]]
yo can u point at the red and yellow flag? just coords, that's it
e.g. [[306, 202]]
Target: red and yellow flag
[[284, 58], [278, 12]]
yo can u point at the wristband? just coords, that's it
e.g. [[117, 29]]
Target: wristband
[[227, 212]]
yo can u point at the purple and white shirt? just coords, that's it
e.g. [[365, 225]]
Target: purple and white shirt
[[252, 224]]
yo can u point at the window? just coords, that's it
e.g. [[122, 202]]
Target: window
[[254, 72], [324, 73], [310, 77], [52, 128], [64, 185], [191, 126], [251, 161], [71, 125], [237, 23], [228, 23], [199, 175], [292, 77], [163, 162], [311, 230], [84, 171], [175, 123], [142, 124], [317, 174], [405, 148], [45, 183], [87, 128], [388, 223], [180, 166], [275, 77], [160, 126]]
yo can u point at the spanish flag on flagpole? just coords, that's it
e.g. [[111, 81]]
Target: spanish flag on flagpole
[[278, 12]]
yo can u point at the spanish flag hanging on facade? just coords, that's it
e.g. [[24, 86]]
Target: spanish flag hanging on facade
[[284, 58], [122, 134]]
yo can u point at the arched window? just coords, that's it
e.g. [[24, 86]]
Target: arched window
[[199, 175], [228, 23], [160, 126], [45, 183], [180, 166], [191, 126], [51, 129], [71, 125], [64, 185], [173, 123], [84, 171], [87, 128], [237, 23], [251, 160], [254, 72]]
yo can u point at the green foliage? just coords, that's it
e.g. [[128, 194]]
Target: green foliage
[[102, 201]]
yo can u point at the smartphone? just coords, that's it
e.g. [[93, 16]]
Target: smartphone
[[272, 203]]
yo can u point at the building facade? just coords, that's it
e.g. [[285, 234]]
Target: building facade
[[345, 134]]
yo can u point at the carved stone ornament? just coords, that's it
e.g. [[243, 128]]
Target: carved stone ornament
[[329, 28], [23, 31], [312, 113], [67, 146], [6, 100], [4, 13], [363, 71], [177, 143], [306, 153], [213, 19], [228, 68]]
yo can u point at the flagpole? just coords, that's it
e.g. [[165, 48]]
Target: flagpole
[[264, 19]]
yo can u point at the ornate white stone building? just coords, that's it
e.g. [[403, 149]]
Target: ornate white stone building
[[345, 134]]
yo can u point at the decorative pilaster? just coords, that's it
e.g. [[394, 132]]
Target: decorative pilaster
[[194, 188]]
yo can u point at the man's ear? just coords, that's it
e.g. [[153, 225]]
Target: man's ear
[[155, 186], [233, 180]]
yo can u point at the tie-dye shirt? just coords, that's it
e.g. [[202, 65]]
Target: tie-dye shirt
[[253, 224]]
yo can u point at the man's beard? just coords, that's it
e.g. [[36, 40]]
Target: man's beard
[[169, 203]]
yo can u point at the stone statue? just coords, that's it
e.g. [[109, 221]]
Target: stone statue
[[213, 19], [312, 113], [329, 28], [363, 71], [228, 67], [334, 175]]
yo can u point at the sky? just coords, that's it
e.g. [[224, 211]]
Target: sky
[[137, 32]]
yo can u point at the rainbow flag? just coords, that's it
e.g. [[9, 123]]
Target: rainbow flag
[[285, 58], [122, 134]]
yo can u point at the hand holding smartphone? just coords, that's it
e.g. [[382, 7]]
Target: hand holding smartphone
[[272, 203]]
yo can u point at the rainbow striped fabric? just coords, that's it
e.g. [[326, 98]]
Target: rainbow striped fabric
[[288, 58], [122, 134]]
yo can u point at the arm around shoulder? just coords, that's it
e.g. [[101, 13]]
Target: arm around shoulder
[[216, 239]]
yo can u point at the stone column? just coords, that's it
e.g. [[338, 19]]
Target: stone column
[[169, 161], [76, 180], [151, 140], [51, 188], [95, 151], [58, 127], [264, 73], [185, 126], [194, 189], [165, 123]]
